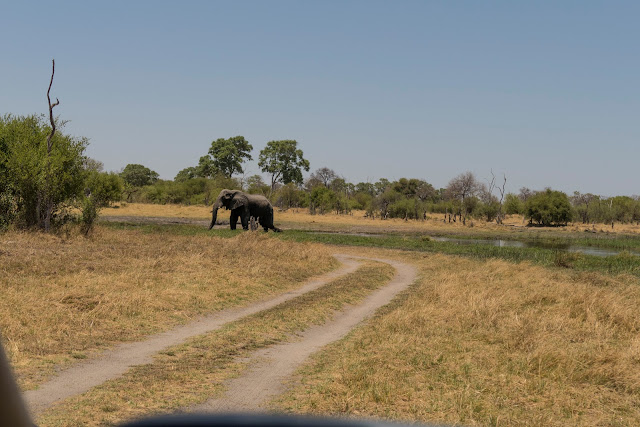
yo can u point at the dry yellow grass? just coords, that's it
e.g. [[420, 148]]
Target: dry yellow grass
[[192, 372], [301, 219], [61, 299], [169, 211], [488, 343]]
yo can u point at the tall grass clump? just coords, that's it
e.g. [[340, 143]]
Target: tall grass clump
[[489, 343]]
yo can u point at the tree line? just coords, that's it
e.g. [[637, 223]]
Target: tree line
[[464, 198], [47, 181]]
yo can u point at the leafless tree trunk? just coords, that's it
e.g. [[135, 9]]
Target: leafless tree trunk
[[47, 198], [501, 190]]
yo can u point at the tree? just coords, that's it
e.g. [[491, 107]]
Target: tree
[[525, 193], [512, 204], [425, 191], [381, 185], [205, 168], [548, 207], [138, 175], [366, 187], [581, 204], [284, 161], [463, 187], [256, 185], [40, 175], [93, 165], [497, 202], [101, 189], [185, 174], [312, 182], [229, 154], [322, 199], [324, 175]]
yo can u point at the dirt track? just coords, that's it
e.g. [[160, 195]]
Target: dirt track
[[282, 359], [272, 367]]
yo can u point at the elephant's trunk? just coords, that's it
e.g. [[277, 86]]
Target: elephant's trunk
[[214, 215]]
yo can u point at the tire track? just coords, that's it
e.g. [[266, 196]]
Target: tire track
[[113, 363], [273, 366]]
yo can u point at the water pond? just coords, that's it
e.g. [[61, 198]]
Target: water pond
[[587, 250]]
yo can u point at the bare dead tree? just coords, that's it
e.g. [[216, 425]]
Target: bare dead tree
[[47, 198], [501, 190], [53, 123], [463, 187], [324, 175]]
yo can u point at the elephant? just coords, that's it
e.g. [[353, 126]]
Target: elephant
[[245, 206]]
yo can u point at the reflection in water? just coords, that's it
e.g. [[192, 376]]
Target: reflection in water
[[587, 250]]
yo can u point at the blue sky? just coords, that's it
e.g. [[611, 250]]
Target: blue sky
[[546, 92]]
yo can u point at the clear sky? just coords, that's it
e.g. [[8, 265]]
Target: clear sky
[[546, 92]]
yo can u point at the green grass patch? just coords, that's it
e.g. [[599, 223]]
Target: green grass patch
[[624, 262]]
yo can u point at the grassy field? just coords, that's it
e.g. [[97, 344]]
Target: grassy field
[[300, 219], [62, 299], [487, 343], [623, 263], [488, 336]]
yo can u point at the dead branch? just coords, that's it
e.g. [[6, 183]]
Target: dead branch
[[53, 123]]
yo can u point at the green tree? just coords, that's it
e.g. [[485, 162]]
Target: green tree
[[284, 161], [206, 168], [548, 207], [42, 171], [513, 205], [321, 200], [185, 174], [229, 154], [138, 175], [255, 185], [366, 187], [101, 189], [381, 186]]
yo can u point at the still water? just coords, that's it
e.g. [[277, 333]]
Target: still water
[[587, 250]]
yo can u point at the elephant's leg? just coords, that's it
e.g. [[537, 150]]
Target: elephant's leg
[[244, 217], [233, 219], [267, 223], [260, 220]]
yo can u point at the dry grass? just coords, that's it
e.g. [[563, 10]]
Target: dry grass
[[150, 210], [301, 219], [61, 299], [488, 343], [195, 371]]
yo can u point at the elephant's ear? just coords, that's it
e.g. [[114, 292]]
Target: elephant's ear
[[239, 199]]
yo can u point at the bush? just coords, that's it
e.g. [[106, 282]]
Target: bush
[[321, 200], [36, 183], [549, 208], [513, 205]]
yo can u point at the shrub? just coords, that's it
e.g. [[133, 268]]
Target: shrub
[[549, 207], [36, 182]]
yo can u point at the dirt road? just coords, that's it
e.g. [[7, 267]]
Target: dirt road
[[273, 366], [283, 358]]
